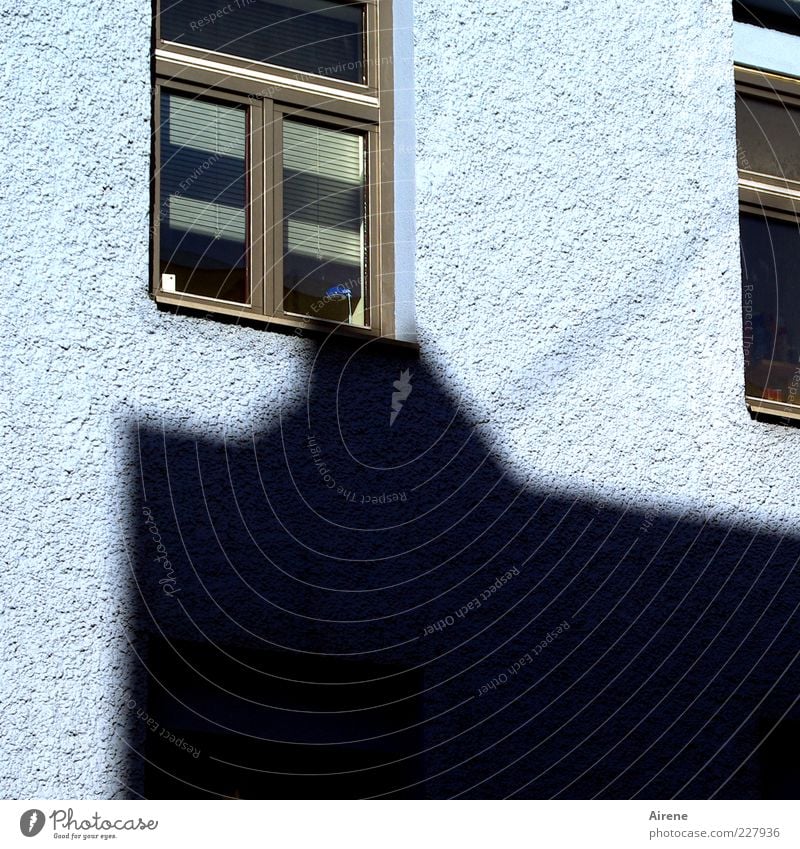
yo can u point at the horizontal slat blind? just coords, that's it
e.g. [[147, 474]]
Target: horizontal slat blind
[[206, 126], [315, 36], [324, 222], [202, 167], [323, 192], [320, 150], [203, 186], [207, 219]]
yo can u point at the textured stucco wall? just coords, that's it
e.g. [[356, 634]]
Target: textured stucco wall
[[577, 190], [577, 288]]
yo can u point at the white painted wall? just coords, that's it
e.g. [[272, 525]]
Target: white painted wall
[[578, 246], [766, 49]]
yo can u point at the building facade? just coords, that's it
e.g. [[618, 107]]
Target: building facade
[[547, 553]]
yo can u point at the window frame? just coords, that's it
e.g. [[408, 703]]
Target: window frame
[[767, 195], [272, 93], [756, 190]]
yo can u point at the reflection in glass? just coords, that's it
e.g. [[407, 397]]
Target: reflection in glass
[[324, 222], [314, 36], [202, 214], [769, 137], [771, 307]]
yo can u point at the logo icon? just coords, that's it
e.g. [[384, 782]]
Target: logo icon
[[403, 387], [31, 822]]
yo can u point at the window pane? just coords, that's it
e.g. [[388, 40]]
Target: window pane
[[314, 36], [323, 222], [202, 208], [771, 307], [769, 137]]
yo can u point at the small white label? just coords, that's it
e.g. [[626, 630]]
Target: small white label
[[167, 282]]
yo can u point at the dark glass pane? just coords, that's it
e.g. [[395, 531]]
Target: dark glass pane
[[202, 209], [773, 14], [323, 222], [314, 36], [769, 137], [771, 307]]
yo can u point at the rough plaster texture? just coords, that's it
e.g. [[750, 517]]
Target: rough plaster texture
[[577, 288], [577, 190]]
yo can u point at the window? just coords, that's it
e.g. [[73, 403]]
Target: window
[[771, 14], [273, 165], [768, 144]]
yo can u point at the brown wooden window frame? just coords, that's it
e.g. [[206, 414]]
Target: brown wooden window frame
[[767, 195], [272, 93]]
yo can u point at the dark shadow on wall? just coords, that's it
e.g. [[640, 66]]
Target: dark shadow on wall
[[342, 607]]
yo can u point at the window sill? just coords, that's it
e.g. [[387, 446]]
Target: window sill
[[779, 409], [297, 326]]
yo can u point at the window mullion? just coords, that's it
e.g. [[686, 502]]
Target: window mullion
[[256, 204], [266, 246], [275, 156]]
